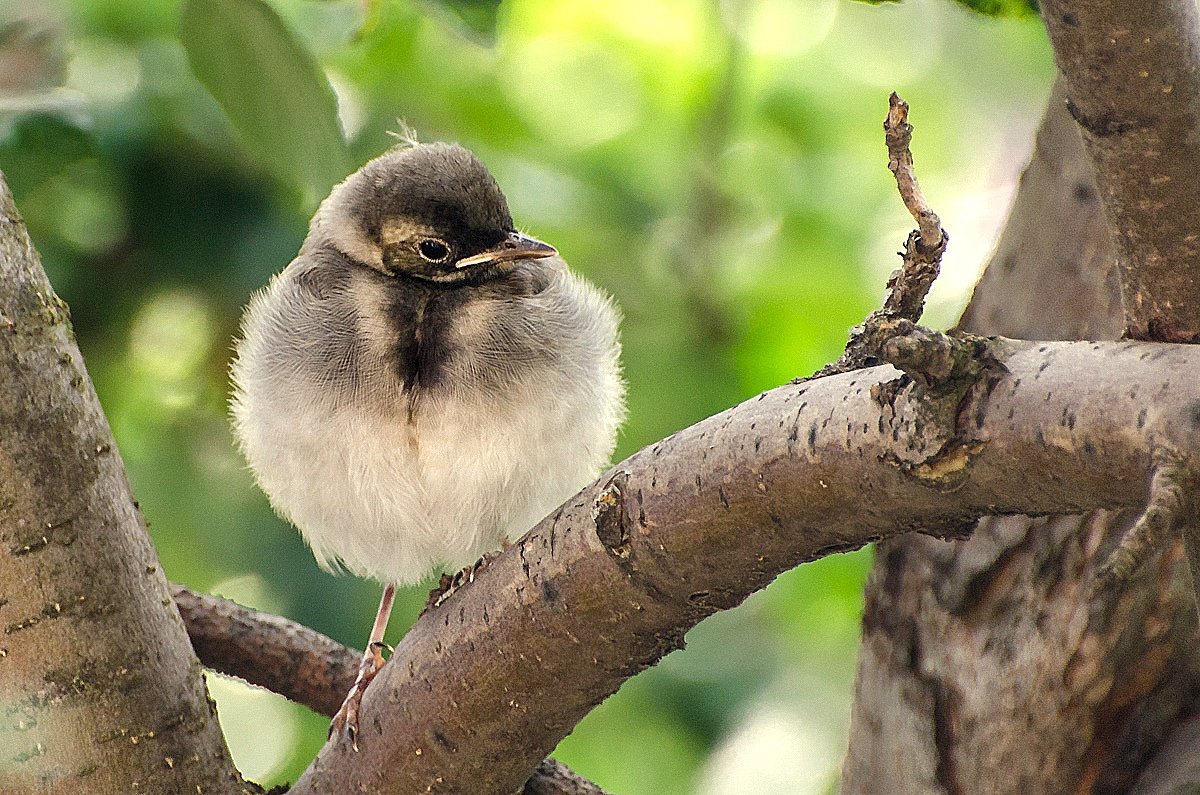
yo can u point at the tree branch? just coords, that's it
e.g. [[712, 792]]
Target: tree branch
[[272, 652], [305, 666], [1133, 86], [898, 135], [937, 705], [1132, 72], [1053, 274], [100, 688], [610, 583]]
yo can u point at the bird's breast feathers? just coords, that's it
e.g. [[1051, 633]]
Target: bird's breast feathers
[[399, 429]]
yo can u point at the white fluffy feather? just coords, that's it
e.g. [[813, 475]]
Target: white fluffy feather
[[393, 498]]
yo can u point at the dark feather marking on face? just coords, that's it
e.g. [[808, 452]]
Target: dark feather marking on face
[[424, 316], [447, 189]]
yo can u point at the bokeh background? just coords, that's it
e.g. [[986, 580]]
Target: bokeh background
[[717, 166]]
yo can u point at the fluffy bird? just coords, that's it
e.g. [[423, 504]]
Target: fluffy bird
[[422, 382]]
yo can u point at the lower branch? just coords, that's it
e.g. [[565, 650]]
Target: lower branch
[[272, 652], [305, 666], [611, 582]]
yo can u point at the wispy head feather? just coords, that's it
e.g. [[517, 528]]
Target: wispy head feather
[[405, 134]]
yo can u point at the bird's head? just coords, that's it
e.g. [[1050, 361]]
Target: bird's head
[[427, 211]]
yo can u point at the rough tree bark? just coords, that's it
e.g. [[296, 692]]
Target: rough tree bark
[[100, 689], [1133, 85], [679, 530], [991, 665], [1132, 76]]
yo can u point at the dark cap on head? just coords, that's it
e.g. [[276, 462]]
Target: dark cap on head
[[439, 185], [429, 211]]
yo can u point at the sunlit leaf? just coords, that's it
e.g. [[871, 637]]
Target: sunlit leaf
[[477, 16], [272, 89]]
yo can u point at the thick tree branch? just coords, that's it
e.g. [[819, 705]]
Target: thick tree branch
[[1133, 86], [1053, 274], [1132, 72], [976, 654], [100, 688], [609, 584], [304, 666]]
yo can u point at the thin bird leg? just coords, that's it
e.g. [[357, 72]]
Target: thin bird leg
[[346, 719]]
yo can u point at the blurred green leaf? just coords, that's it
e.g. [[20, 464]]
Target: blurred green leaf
[[478, 16], [39, 147], [1002, 8], [991, 8], [271, 88]]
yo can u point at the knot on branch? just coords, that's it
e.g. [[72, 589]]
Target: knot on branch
[[949, 381], [935, 360], [611, 520]]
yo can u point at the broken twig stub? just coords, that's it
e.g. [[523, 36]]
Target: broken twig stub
[[922, 254], [897, 133]]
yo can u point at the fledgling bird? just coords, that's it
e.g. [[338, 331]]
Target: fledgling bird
[[423, 381]]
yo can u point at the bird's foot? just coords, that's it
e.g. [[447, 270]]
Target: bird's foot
[[448, 584], [345, 722]]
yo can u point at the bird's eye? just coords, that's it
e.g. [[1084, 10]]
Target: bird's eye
[[433, 250]]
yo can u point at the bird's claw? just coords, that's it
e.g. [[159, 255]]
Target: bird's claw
[[376, 648], [345, 721]]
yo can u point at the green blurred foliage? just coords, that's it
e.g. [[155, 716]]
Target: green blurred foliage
[[991, 8], [479, 16], [717, 166], [287, 116], [1002, 8]]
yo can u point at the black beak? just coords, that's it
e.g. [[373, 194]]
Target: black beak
[[513, 247]]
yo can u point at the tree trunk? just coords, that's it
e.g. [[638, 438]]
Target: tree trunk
[[101, 690], [988, 665]]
